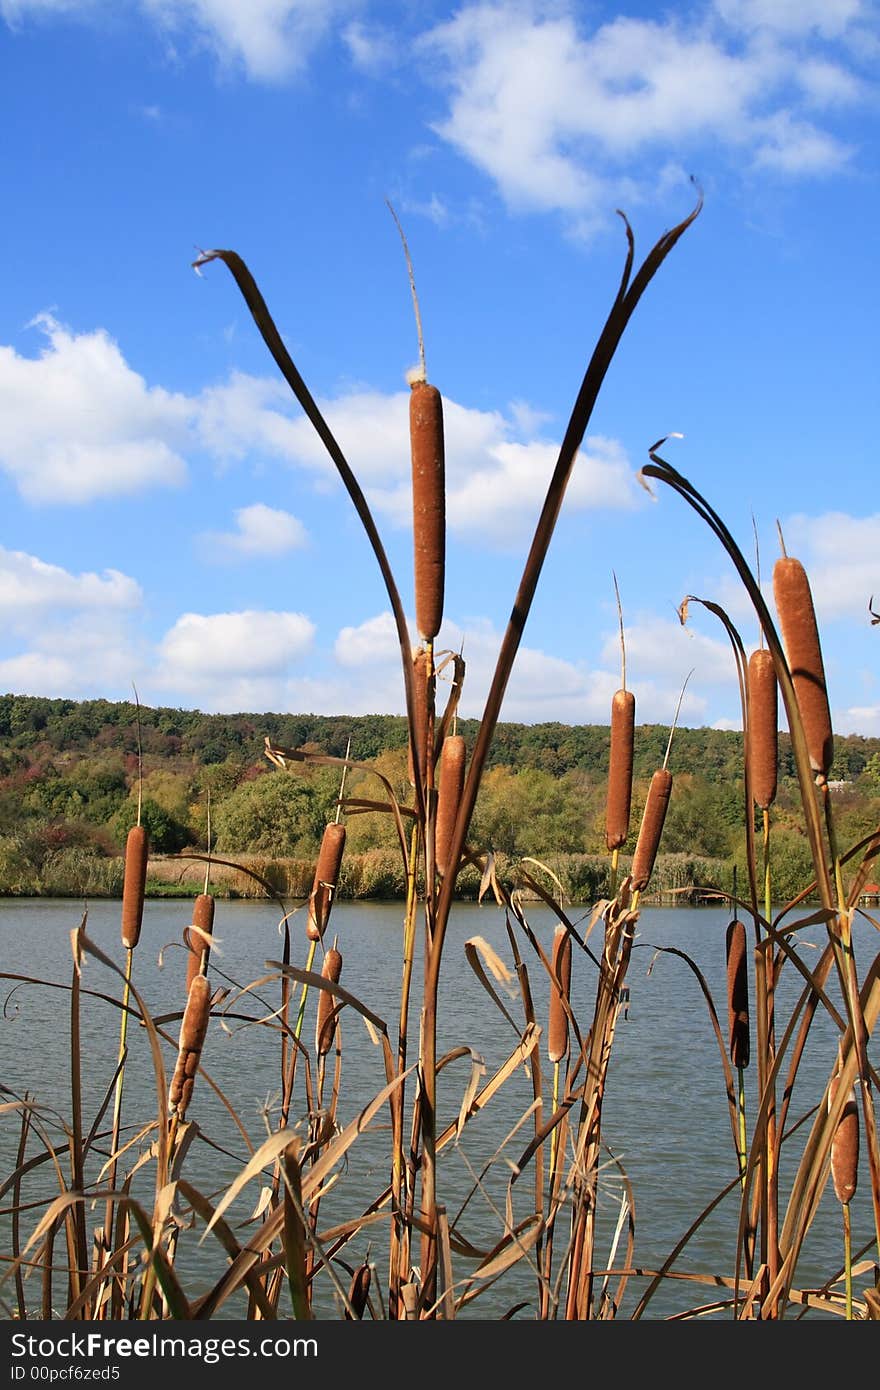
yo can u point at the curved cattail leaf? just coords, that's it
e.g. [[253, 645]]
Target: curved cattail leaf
[[737, 994], [429, 505], [326, 880], [448, 796], [560, 989], [137, 852], [193, 1029], [620, 769], [359, 1291], [800, 635], [325, 1026], [199, 947], [653, 816], [763, 736], [422, 682], [845, 1148]]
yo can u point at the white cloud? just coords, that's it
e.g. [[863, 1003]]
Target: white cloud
[[827, 17], [495, 481], [373, 48], [232, 661], [270, 39], [261, 531], [542, 686], [662, 647], [77, 422], [76, 629], [31, 589], [558, 115]]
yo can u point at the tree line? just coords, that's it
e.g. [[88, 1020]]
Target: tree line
[[72, 775]]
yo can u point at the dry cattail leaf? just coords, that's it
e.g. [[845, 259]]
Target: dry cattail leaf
[[325, 1027], [557, 1023], [737, 994], [620, 769], [763, 739], [326, 879], [429, 505], [193, 1029], [800, 634], [845, 1148], [423, 691], [199, 947], [653, 816], [137, 852], [448, 796]]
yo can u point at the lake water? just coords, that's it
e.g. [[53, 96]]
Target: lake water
[[665, 1117]]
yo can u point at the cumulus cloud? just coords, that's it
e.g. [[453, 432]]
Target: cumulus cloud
[[74, 632], [542, 686], [558, 115], [31, 589], [77, 422], [232, 661], [496, 474], [260, 531]]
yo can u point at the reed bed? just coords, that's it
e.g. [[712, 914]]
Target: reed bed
[[109, 1239]]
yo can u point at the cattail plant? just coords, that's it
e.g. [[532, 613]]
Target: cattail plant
[[845, 1174], [423, 692], [654, 814], [651, 829], [427, 452], [763, 735], [452, 765], [193, 1029], [803, 650], [738, 1021], [325, 880], [620, 763], [325, 1026], [620, 769], [200, 938], [137, 853], [429, 504], [737, 995], [560, 989]]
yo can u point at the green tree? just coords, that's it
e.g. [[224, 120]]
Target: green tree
[[278, 814]]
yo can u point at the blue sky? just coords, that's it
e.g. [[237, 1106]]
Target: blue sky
[[169, 520]]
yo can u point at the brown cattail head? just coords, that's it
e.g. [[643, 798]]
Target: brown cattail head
[[651, 829], [423, 695], [560, 988], [192, 1039], [429, 505], [326, 879], [448, 796], [620, 769], [800, 634], [845, 1148], [137, 852], [737, 994], [359, 1291], [325, 1027], [763, 739], [199, 947]]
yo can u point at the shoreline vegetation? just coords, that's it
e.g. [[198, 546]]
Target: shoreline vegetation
[[374, 876], [71, 773]]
